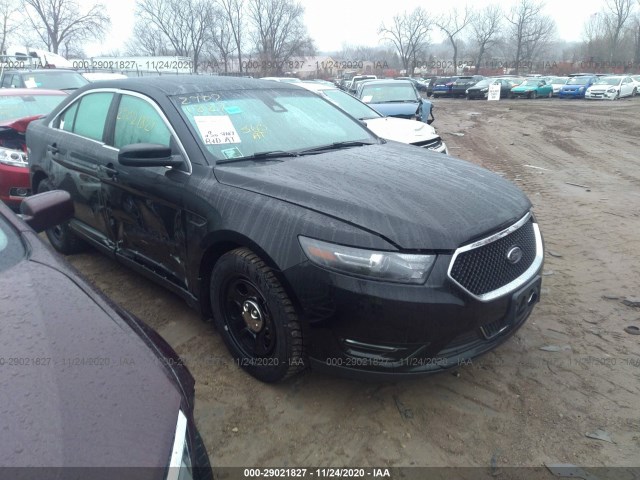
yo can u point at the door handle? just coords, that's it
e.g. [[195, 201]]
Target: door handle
[[53, 149]]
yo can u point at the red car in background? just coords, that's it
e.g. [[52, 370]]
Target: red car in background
[[19, 107]]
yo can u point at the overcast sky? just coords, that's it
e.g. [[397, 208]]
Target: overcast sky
[[332, 23]]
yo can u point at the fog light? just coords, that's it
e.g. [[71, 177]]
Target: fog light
[[19, 192]]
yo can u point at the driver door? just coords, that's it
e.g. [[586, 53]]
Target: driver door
[[144, 204]]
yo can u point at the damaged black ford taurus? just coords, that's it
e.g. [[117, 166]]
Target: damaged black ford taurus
[[307, 239]]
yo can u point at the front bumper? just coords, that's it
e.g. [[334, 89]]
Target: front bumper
[[571, 94], [600, 95], [374, 328], [14, 185]]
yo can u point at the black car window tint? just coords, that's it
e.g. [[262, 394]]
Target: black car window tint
[[11, 247], [6, 81], [92, 115], [68, 117], [138, 122]]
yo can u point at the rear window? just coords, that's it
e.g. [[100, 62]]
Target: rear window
[[20, 106], [54, 81]]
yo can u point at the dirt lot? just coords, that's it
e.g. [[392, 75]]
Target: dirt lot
[[518, 406]]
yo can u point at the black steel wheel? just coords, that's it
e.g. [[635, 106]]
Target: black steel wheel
[[255, 316], [61, 237]]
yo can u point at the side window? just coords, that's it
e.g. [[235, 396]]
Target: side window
[[67, 118], [138, 121], [92, 115], [6, 80]]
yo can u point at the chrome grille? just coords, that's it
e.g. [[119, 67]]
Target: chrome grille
[[483, 268]]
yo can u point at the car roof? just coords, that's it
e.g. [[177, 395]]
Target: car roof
[[390, 81], [316, 87], [46, 71], [17, 92], [187, 84]]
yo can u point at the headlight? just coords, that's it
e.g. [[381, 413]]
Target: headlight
[[378, 265], [611, 90], [180, 462], [14, 158], [484, 90]]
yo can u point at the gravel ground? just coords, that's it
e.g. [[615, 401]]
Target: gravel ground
[[570, 370]]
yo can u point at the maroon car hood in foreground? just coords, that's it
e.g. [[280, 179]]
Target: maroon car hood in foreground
[[77, 386]]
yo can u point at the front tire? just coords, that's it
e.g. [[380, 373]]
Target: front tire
[[255, 317], [61, 237], [533, 95]]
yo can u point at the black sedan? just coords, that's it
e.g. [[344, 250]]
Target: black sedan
[[84, 383], [461, 84], [309, 240], [481, 89]]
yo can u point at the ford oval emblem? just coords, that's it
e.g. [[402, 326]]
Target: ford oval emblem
[[514, 255]]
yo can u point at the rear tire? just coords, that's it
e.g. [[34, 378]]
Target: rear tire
[[255, 317], [61, 237]]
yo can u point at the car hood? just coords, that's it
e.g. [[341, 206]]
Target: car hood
[[87, 392], [414, 198], [401, 130], [396, 109], [521, 88], [571, 88]]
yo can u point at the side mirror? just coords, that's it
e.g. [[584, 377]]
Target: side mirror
[[148, 155], [46, 210]]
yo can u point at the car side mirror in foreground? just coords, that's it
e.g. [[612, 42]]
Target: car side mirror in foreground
[[47, 209], [148, 155]]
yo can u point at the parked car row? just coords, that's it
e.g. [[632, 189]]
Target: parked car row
[[575, 86]]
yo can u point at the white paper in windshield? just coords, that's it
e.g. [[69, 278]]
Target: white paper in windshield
[[30, 83], [367, 98], [216, 130]]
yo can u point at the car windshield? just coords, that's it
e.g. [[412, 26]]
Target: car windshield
[[443, 81], [609, 81], [241, 123], [11, 248], [578, 80], [388, 93], [483, 83], [351, 105], [559, 80], [54, 81], [20, 106], [530, 83]]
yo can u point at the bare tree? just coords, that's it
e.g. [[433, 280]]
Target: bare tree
[[8, 21], [147, 40], [279, 32], [529, 27], [232, 13], [223, 41], [615, 17], [409, 33], [485, 25], [186, 24], [59, 21], [452, 24], [636, 40]]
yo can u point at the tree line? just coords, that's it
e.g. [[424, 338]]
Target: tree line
[[223, 34]]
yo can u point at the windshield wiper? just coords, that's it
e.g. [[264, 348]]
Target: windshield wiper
[[259, 156], [336, 146]]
